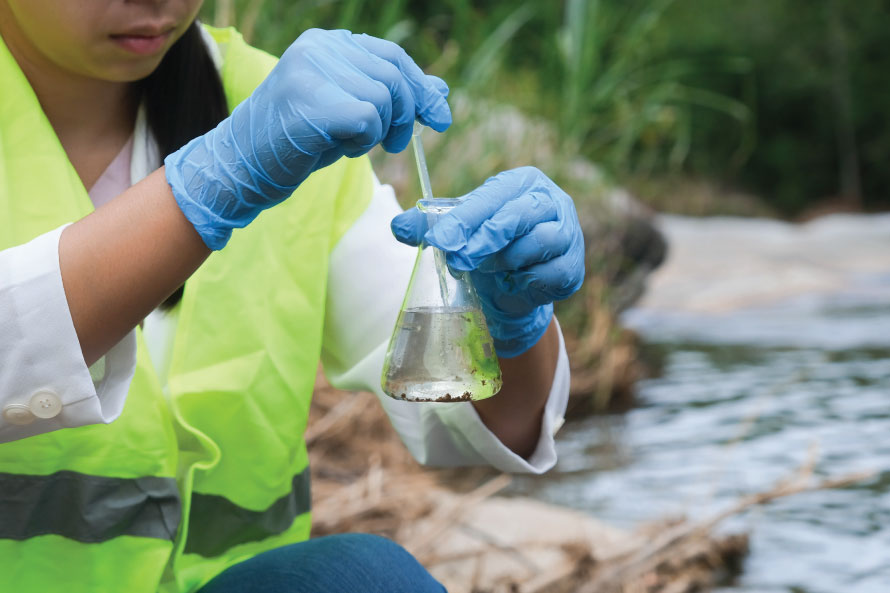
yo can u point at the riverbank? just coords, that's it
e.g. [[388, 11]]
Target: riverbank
[[725, 264], [768, 345], [475, 541]]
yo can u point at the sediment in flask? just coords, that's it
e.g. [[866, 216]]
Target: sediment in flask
[[441, 354]]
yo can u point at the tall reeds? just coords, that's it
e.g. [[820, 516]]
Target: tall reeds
[[595, 69]]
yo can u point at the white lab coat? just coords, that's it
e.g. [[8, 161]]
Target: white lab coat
[[45, 384]]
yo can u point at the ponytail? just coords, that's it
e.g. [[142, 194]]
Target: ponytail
[[183, 99]]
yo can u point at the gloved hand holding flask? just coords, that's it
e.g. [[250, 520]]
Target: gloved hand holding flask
[[332, 94], [519, 237]]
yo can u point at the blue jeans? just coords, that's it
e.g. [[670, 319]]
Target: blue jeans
[[348, 563]]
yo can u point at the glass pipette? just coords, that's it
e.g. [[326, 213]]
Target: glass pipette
[[426, 191], [426, 188]]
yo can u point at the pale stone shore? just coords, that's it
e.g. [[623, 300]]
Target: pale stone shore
[[716, 265]]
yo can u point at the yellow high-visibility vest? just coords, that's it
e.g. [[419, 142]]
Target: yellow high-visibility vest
[[181, 487]]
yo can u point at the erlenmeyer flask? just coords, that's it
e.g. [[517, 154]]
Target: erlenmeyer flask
[[440, 349]]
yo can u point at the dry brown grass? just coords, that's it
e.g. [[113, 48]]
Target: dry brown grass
[[602, 354], [364, 480]]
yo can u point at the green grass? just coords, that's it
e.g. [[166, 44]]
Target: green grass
[[587, 77], [786, 98]]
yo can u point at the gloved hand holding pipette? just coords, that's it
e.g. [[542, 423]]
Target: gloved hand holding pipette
[[332, 94], [519, 236]]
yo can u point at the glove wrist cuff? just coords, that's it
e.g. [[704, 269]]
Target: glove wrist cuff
[[215, 200], [514, 336]]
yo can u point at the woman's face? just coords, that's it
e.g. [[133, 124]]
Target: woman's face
[[113, 40]]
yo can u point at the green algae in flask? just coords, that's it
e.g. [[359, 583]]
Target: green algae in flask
[[441, 349]]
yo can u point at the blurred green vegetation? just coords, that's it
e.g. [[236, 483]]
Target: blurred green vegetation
[[782, 99]]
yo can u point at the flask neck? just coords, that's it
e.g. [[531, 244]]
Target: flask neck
[[433, 282]]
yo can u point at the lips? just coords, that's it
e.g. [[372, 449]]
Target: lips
[[143, 40]]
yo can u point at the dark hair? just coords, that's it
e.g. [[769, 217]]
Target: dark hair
[[183, 99]]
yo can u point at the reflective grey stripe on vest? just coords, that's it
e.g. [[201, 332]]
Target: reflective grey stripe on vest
[[87, 508], [217, 524]]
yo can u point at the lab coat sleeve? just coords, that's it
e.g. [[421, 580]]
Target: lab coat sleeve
[[40, 353], [357, 331]]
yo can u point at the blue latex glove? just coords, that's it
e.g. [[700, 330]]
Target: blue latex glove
[[519, 236], [332, 94]]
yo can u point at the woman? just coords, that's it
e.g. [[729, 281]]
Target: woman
[[155, 377]]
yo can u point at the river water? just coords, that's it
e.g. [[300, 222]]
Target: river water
[[771, 344]]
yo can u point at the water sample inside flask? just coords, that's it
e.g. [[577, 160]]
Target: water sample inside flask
[[441, 349]]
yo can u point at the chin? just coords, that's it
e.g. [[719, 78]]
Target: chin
[[131, 72]]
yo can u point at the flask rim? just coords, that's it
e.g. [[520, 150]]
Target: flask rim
[[437, 205]]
